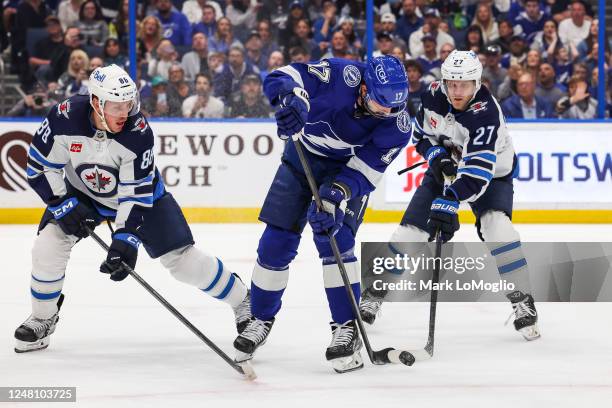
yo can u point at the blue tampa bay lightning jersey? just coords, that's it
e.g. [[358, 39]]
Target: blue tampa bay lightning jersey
[[478, 138], [116, 170], [333, 130]]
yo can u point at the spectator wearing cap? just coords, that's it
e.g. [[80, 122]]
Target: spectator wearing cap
[[384, 44], [92, 25], [493, 71], [518, 52], [250, 102], [575, 29], [532, 20], [323, 26], [484, 19], [175, 26], [429, 59], [196, 60], [339, 47], [409, 22], [178, 90], [193, 10], [157, 103], [44, 49], [275, 61], [203, 104], [578, 103], [253, 46], [506, 32], [234, 70], [388, 22], [547, 87], [432, 20], [68, 12], [526, 105], [301, 38], [416, 87], [346, 24], [223, 39], [547, 40], [243, 15], [208, 22]]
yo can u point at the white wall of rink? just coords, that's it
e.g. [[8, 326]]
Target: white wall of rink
[[231, 164]]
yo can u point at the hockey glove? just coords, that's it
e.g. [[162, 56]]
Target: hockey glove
[[441, 163], [293, 113], [124, 248], [443, 217], [72, 216], [329, 220]]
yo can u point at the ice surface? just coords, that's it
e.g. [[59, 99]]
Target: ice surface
[[121, 348]]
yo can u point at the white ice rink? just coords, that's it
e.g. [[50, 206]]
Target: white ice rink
[[120, 348]]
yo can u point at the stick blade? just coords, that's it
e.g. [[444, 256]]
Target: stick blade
[[421, 354], [393, 356], [247, 370]]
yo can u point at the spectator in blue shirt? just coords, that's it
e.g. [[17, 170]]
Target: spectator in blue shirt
[[414, 72], [208, 25], [323, 27], [409, 22], [526, 105], [531, 20], [175, 25], [429, 60], [234, 70]]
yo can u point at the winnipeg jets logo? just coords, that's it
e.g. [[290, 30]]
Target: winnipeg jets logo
[[433, 122], [322, 140], [97, 181], [381, 74], [403, 122], [101, 180], [478, 107], [433, 87], [352, 76], [140, 125], [63, 108]]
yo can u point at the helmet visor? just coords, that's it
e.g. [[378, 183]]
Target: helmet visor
[[122, 109], [382, 112]]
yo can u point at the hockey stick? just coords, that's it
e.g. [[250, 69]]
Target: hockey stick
[[389, 354], [243, 368], [414, 166]]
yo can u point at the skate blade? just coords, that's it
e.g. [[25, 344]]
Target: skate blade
[[27, 346], [530, 333], [242, 356], [347, 364]]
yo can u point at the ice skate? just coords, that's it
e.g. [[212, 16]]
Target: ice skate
[[370, 304], [343, 351], [35, 334], [525, 315], [242, 313], [254, 335]]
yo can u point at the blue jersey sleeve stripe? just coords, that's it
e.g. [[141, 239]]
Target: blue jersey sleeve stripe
[[486, 156], [148, 179], [476, 172], [142, 200], [38, 157]]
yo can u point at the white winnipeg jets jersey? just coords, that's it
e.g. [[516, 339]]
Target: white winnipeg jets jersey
[[478, 138], [116, 171]]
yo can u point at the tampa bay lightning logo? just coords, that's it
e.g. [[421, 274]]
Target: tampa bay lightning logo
[[352, 76], [403, 122], [322, 140], [101, 180]]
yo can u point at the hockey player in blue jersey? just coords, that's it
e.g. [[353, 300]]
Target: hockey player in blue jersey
[[461, 132], [92, 159], [354, 124]]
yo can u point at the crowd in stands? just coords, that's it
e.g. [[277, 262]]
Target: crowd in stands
[[208, 59]]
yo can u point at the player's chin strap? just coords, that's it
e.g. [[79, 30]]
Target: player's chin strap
[[101, 116]]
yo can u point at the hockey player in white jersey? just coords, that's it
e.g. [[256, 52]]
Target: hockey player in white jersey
[[461, 132], [92, 159]]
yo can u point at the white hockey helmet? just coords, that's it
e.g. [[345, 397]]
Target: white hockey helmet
[[116, 92], [462, 66]]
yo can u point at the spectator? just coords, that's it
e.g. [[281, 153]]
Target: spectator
[[384, 42], [493, 71], [254, 56], [112, 54], [196, 60], [157, 103], [547, 40], [296, 15], [347, 26], [532, 62], [575, 29], [166, 56], [580, 70], [388, 24], [61, 56], [301, 38], [91, 24], [585, 47], [299, 54], [417, 88], [68, 13], [223, 39], [95, 62], [275, 61], [216, 60], [228, 81], [526, 105], [150, 34], [409, 22], [518, 52], [178, 90], [250, 102], [118, 28], [193, 9], [429, 60], [339, 47], [488, 26], [400, 53], [578, 104], [269, 44], [508, 87], [432, 20], [547, 88], [202, 104], [435, 74], [38, 103], [242, 14], [44, 49], [562, 65], [175, 26], [208, 23], [474, 40], [531, 20], [506, 33], [30, 14], [324, 25], [71, 81]]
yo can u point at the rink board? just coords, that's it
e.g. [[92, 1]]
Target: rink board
[[220, 172]]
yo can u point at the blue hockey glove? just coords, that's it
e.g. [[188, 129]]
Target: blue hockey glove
[[443, 217], [293, 113], [329, 220], [124, 248], [72, 216], [441, 163]]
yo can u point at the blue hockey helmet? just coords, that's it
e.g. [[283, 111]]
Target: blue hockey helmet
[[387, 86]]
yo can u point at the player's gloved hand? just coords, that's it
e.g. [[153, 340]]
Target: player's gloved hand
[[329, 220], [72, 216], [124, 248], [293, 113], [441, 163], [443, 217]]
